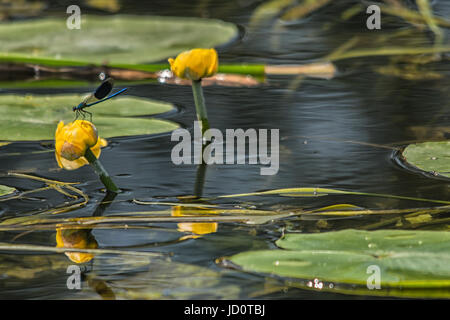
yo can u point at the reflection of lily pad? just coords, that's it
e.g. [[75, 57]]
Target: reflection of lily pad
[[174, 280], [124, 276], [36, 117], [113, 39], [433, 157], [5, 190], [413, 260]]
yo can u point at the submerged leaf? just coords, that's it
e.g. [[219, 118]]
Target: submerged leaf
[[408, 73], [290, 192], [423, 218], [5, 190], [167, 279], [427, 133], [338, 207], [319, 192]]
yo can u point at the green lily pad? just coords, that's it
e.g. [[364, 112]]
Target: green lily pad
[[5, 190], [114, 39], [432, 157], [36, 117], [410, 262]]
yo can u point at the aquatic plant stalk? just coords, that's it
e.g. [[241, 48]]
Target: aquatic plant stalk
[[200, 106], [240, 68], [200, 180], [318, 192], [27, 247], [427, 13], [100, 170]]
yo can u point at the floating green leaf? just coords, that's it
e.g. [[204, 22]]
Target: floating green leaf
[[432, 157], [338, 207], [5, 190], [376, 242], [110, 39], [36, 117], [410, 260]]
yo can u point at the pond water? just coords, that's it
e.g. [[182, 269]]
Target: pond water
[[339, 133]]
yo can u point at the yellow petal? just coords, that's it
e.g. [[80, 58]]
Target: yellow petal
[[195, 64], [72, 141], [58, 129], [74, 164], [86, 131]]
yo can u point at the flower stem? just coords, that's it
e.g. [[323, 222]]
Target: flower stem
[[100, 170], [200, 106]]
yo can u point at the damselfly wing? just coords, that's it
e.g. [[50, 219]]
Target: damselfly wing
[[99, 95]]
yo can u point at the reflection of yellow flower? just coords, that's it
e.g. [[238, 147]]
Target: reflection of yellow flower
[[76, 238], [195, 64], [72, 141], [198, 228]]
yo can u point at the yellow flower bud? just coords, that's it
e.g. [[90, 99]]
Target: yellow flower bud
[[195, 64], [72, 141]]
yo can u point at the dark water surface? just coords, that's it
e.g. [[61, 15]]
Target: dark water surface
[[358, 105]]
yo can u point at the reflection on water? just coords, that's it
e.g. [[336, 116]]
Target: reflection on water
[[79, 239], [338, 133]]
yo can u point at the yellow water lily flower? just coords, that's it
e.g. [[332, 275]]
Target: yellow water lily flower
[[197, 228], [72, 141], [195, 64], [76, 238]]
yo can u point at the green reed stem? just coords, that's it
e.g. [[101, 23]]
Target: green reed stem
[[200, 106], [100, 170]]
